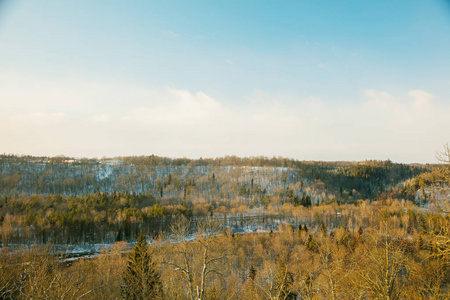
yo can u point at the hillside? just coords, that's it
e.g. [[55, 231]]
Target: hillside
[[253, 180]]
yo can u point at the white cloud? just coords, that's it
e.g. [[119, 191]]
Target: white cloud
[[177, 108], [422, 99], [418, 107], [381, 100], [92, 119], [39, 117], [101, 117]]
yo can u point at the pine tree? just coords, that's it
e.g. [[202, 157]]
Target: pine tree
[[323, 228], [360, 231], [252, 272], [310, 243], [305, 228], [140, 278], [420, 243]]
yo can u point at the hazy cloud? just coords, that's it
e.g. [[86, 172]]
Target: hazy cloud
[[101, 117], [39, 117], [422, 99], [128, 120]]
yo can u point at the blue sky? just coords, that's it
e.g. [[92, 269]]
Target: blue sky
[[321, 80]]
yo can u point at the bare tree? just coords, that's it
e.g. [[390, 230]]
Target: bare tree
[[334, 270], [187, 258], [441, 182], [440, 235], [381, 268]]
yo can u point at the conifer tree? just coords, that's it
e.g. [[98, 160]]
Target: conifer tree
[[310, 242], [360, 231], [252, 272], [140, 278], [323, 228]]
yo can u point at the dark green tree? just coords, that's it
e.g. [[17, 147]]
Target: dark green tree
[[311, 243], [323, 228], [360, 231], [305, 228], [141, 279], [252, 272]]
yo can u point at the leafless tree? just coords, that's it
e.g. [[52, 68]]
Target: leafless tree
[[187, 258], [441, 182]]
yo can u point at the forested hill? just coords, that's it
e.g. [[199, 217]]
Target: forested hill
[[256, 181]]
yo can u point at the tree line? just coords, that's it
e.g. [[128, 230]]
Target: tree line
[[250, 179]]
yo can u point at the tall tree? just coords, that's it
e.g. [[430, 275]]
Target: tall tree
[[141, 279], [188, 257], [441, 182]]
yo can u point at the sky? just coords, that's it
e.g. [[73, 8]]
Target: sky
[[305, 79]]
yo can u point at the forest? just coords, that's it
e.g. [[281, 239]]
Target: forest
[[227, 228], [67, 201]]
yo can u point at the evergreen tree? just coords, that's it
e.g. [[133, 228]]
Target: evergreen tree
[[305, 228], [323, 228], [360, 231], [140, 278], [420, 244], [310, 243], [252, 272]]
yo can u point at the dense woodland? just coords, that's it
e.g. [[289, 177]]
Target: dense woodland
[[221, 178], [66, 201], [385, 253], [227, 228]]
